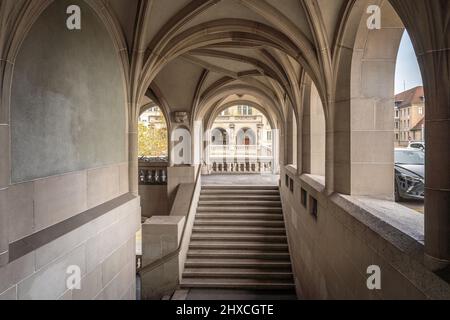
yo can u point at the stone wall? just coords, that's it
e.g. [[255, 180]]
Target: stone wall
[[64, 187], [68, 103], [103, 249], [332, 251], [154, 200]]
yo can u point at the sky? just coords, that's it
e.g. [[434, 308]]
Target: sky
[[407, 70]]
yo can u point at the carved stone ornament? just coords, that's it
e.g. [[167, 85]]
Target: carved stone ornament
[[180, 117]]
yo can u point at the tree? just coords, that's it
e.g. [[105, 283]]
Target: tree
[[152, 141]]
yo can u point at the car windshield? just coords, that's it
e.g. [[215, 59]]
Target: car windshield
[[409, 157]]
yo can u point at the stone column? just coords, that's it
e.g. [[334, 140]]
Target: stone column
[[437, 140], [4, 183], [276, 151], [5, 160], [133, 146], [429, 34], [289, 139]]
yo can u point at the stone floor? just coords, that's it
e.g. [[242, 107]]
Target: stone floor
[[236, 179]]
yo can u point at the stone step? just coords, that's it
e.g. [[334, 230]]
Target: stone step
[[240, 230], [239, 241], [255, 284], [221, 244], [239, 216], [238, 254], [238, 263], [232, 236], [253, 223], [222, 209], [237, 197], [239, 187], [236, 273], [242, 192], [244, 203]]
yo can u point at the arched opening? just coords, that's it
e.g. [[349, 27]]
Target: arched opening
[[409, 118], [245, 137], [313, 133], [376, 167], [219, 137], [153, 144], [246, 146], [153, 135], [385, 113], [371, 113]]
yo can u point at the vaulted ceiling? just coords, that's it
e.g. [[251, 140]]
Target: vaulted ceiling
[[192, 55], [207, 47]]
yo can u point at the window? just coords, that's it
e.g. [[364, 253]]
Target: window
[[314, 207], [421, 111], [304, 198], [269, 135], [245, 110]]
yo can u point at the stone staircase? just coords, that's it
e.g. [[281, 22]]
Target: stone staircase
[[239, 241]]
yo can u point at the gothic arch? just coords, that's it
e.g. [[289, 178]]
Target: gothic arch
[[29, 14]]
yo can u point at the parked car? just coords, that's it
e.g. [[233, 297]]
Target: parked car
[[409, 174], [417, 145]]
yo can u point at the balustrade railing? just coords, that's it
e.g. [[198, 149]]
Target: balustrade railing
[[240, 167], [240, 159], [152, 172], [233, 151]]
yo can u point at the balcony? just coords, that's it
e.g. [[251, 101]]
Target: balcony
[[240, 159]]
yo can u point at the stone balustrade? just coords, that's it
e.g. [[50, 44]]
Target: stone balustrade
[[152, 173], [240, 167]]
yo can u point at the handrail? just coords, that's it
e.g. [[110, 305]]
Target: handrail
[[174, 253]]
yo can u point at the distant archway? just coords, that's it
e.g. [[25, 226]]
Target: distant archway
[[245, 137], [247, 145], [219, 136]]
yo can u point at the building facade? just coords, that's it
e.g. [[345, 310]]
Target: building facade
[[409, 116], [242, 125]]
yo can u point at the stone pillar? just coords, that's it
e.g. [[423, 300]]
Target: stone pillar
[[289, 139], [5, 161], [4, 182], [276, 150], [437, 140], [429, 34], [300, 145], [306, 133], [133, 146], [259, 137]]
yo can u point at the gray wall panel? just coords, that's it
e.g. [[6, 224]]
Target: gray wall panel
[[68, 104]]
